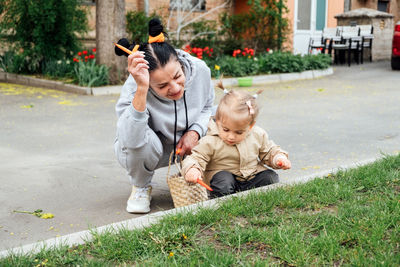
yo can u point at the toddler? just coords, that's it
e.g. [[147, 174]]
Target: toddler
[[233, 154]]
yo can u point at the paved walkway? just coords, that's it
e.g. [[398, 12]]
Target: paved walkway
[[56, 149]]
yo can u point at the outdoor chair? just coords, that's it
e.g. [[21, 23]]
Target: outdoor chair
[[367, 35], [340, 50], [323, 42], [316, 43], [349, 44], [329, 36]]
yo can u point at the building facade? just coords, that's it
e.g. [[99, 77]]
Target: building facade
[[306, 17], [389, 6]]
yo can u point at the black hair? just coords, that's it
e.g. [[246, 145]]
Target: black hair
[[158, 54]]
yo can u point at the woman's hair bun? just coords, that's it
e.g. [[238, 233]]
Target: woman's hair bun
[[155, 27], [125, 43]]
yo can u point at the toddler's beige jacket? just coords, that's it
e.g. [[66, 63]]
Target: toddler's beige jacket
[[244, 160]]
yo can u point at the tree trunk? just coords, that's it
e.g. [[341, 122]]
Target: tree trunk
[[110, 27]]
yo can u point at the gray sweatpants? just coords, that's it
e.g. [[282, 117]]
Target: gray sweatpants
[[140, 163]]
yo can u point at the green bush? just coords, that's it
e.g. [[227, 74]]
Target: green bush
[[281, 63], [89, 74], [203, 33], [42, 30], [137, 25], [266, 64], [12, 62], [58, 68], [263, 26], [315, 62]]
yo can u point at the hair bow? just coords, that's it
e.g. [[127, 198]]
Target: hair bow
[[156, 39], [251, 109]]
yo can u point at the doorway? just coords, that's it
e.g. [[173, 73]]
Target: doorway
[[309, 19]]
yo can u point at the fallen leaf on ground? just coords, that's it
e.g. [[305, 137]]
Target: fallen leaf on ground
[[27, 106], [38, 213]]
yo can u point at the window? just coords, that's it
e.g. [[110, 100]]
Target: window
[[187, 5], [383, 5]]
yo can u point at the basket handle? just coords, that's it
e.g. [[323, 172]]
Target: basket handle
[[177, 164]]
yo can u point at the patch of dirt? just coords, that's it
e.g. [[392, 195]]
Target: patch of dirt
[[240, 221], [208, 236], [349, 243], [338, 263], [261, 249], [396, 188], [333, 209], [256, 248]]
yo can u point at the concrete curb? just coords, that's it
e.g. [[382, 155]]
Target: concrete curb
[[116, 89], [43, 83], [147, 220]]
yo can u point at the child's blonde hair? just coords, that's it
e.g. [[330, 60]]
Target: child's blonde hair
[[237, 105]]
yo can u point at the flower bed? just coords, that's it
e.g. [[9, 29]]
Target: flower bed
[[245, 62]]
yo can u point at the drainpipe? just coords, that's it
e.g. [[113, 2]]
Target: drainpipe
[[280, 6], [146, 7], [347, 5]]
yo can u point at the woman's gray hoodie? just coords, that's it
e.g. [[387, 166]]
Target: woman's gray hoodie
[[133, 126]]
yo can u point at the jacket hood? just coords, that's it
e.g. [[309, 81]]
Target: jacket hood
[[212, 127]]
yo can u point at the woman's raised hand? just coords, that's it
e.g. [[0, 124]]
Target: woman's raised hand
[[138, 68]]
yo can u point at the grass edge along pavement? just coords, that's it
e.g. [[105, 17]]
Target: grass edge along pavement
[[347, 218]]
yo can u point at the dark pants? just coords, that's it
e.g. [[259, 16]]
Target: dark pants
[[224, 183]]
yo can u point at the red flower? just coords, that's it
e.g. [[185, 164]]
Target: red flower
[[91, 56], [268, 49], [84, 52], [94, 50], [236, 52], [75, 60], [86, 58], [79, 53]]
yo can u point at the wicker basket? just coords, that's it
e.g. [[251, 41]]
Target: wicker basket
[[182, 192]]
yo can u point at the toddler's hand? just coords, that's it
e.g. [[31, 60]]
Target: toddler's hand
[[282, 162], [192, 175]]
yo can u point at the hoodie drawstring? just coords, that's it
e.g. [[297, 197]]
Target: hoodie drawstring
[[176, 121], [184, 101]]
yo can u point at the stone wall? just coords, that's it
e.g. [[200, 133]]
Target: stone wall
[[394, 6], [383, 29]]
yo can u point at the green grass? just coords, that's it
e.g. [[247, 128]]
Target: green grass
[[351, 218]]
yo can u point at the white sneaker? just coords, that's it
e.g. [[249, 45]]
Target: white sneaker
[[139, 201]]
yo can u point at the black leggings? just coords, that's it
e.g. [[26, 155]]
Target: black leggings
[[224, 183]]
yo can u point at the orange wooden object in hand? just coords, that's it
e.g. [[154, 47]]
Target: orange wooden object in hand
[[200, 182], [126, 50]]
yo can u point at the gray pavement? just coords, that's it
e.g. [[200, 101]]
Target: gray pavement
[[56, 149]]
